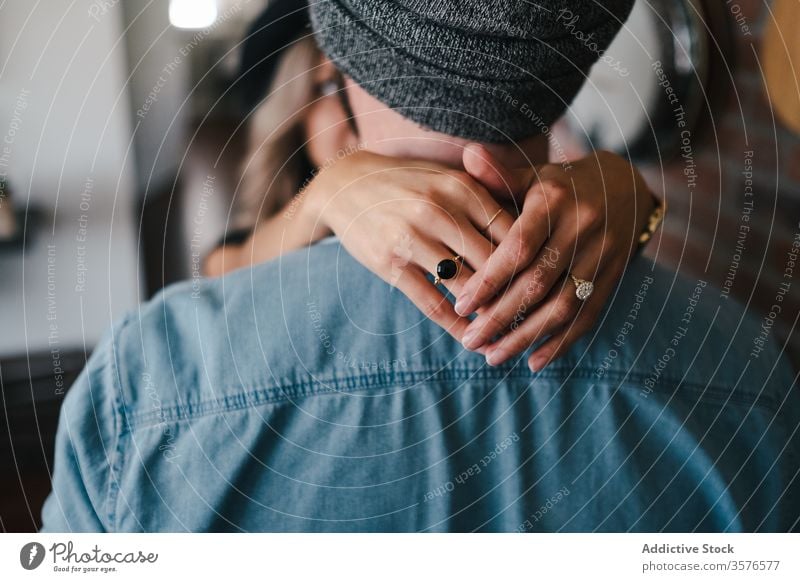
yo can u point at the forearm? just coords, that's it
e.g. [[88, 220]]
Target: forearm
[[296, 225]]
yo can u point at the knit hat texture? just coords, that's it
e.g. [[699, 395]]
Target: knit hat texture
[[486, 70]]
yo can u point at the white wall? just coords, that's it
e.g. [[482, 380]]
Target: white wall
[[63, 96], [158, 87]]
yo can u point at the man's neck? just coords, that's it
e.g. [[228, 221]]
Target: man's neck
[[449, 151]]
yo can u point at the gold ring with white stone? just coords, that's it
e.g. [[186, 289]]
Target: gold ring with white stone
[[583, 288]]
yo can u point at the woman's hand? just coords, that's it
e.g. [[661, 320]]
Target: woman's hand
[[585, 220], [400, 218]]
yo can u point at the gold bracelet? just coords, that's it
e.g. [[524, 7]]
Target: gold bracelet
[[653, 222]]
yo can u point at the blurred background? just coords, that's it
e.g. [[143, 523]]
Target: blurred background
[[121, 135]]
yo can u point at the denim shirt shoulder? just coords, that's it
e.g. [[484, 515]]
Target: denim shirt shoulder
[[272, 352], [316, 321]]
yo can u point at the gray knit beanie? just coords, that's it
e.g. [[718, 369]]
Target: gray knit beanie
[[487, 70]]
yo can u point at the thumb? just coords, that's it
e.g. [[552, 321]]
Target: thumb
[[492, 174]]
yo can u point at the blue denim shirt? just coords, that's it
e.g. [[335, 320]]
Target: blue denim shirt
[[307, 394]]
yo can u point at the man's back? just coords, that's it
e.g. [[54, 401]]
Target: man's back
[[306, 394]]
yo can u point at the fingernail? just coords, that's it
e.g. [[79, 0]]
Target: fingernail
[[537, 364], [471, 340], [496, 357], [463, 306]]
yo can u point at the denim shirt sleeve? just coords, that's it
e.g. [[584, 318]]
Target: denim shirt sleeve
[[86, 450]]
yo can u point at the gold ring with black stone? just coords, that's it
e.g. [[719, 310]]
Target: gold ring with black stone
[[448, 269]]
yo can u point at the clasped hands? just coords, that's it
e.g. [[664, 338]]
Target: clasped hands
[[521, 236]]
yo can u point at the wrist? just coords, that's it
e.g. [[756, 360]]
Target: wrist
[[323, 195], [308, 209]]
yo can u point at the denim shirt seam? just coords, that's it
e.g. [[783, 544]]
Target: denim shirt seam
[[260, 393], [120, 426], [277, 392]]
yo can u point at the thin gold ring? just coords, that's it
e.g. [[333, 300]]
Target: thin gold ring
[[491, 220]]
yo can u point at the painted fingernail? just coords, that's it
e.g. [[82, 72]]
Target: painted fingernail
[[496, 357]]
